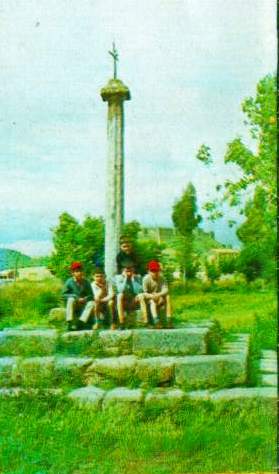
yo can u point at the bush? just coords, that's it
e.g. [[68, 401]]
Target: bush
[[228, 264], [212, 270], [5, 305], [254, 262], [24, 302], [231, 281], [45, 301]]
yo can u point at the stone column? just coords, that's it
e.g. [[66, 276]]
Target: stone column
[[114, 93]]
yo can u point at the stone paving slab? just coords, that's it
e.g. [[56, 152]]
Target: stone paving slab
[[57, 315], [123, 396], [34, 372], [115, 343], [199, 372], [80, 342], [269, 380], [236, 393], [23, 342], [7, 367], [91, 396], [268, 354], [170, 341], [118, 369], [244, 393], [15, 392], [155, 370], [268, 365], [199, 395], [165, 398], [71, 369]]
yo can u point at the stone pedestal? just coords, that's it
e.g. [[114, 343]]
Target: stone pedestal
[[114, 93]]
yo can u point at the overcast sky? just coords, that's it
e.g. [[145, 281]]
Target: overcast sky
[[188, 64]]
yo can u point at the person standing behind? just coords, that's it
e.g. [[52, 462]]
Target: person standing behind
[[125, 254], [103, 299], [129, 293], [77, 293], [156, 293]]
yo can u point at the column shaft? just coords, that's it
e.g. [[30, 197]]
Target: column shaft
[[115, 183]]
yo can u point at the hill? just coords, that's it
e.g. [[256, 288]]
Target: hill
[[203, 241], [13, 258]]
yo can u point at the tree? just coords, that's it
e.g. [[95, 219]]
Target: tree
[[186, 220], [75, 241], [131, 230], [254, 193]]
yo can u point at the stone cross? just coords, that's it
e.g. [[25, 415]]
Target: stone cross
[[114, 54], [114, 93]]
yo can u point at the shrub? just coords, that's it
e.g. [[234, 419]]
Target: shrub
[[5, 305], [212, 270], [228, 264], [45, 301]]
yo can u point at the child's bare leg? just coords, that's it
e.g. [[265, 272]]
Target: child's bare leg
[[120, 307], [97, 310], [143, 309], [153, 309], [168, 307]]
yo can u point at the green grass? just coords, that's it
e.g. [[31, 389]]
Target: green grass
[[52, 436], [245, 310], [56, 437], [235, 310], [27, 304]]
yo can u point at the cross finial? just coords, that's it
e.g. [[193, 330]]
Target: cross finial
[[114, 54]]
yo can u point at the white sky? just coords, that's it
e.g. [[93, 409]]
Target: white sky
[[188, 64]]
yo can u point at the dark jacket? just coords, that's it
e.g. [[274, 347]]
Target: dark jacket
[[72, 289], [123, 257]]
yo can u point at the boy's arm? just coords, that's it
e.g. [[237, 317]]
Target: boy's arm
[[110, 295], [68, 291], [145, 284], [164, 290], [89, 296]]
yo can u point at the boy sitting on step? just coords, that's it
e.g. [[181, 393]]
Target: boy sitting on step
[[104, 300], [156, 293], [77, 293], [129, 293], [125, 254]]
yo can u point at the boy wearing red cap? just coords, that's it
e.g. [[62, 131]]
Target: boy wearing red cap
[[156, 293], [78, 294]]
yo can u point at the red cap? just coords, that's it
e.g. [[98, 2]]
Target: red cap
[[153, 266], [76, 266]]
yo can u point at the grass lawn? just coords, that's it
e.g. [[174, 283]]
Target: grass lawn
[[235, 310], [57, 438], [53, 436]]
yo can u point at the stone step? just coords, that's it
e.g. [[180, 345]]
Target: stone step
[[42, 372], [269, 354], [270, 380], [129, 399], [170, 341], [140, 342], [268, 365], [23, 342], [188, 372], [16, 392], [224, 370], [195, 339], [237, 393]]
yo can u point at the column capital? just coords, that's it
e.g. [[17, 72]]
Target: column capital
[[115, 90]]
